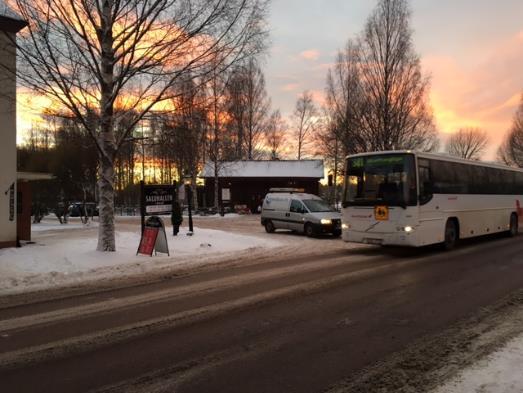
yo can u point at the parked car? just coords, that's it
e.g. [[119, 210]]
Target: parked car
[[76, 209], [299, 212]]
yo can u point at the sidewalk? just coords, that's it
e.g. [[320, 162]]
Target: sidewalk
[[64, 255], [500, 372]]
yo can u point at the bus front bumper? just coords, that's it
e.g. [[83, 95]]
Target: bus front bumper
[[382, 239]]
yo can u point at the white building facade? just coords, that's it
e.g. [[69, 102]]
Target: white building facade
[[10, 24]]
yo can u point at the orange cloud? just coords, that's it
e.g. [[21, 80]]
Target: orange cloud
[[311, 54], [478, 92]]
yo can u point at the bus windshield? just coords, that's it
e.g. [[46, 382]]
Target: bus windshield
[[388, 179]]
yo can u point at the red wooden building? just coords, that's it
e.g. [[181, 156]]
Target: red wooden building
[[247, 182]]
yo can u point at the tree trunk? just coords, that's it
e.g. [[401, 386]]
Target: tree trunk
[[216, 186], [106, 240]]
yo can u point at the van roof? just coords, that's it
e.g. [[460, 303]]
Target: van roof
[[295, 194], [287, 190]]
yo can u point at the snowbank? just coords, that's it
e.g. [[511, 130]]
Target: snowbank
[[499, 372], [65, 255]]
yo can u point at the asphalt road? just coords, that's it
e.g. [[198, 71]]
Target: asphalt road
[[298, 324]]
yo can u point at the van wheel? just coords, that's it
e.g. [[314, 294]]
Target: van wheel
[[514, 225], [269, 226], [336, 234], [451, 235], [309, 230]]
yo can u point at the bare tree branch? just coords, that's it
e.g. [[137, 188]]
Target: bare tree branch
[[511, 151], [469, 143]]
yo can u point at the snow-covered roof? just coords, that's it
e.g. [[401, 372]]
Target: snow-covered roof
[[7, 12], [28, 176], [9, 19], [273, 168]]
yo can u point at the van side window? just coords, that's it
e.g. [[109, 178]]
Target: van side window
[[296, 206]]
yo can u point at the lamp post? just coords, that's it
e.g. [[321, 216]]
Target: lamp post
[[188, 192]]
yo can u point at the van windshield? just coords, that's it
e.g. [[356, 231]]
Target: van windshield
[[317, 205]]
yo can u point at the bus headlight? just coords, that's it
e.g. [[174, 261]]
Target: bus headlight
[[326, 221]]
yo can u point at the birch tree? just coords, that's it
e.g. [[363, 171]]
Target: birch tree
[[103, 55], [396, 112], [305, 119], [248, 107], [341, 132], [220, 139], [344, 102], [275, 134]]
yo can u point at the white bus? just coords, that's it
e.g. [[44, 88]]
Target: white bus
[[416, 199]]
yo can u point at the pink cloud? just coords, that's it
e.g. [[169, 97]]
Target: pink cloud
[[318, 97], [290, 87]]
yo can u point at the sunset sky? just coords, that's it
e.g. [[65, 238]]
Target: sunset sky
[[473, 50]]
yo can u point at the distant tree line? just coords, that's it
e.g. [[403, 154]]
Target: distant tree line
[[225, 117], [511, 151]]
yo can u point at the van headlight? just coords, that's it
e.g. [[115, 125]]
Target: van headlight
[[407, 229], [345, 226], [326, 221]]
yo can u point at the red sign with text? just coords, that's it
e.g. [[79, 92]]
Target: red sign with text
[[148, 240]]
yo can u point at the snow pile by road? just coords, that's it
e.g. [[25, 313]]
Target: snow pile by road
[[498, 373], [65, 255]]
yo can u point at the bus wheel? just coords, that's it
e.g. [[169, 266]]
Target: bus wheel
[[514, 225], [269, 226], [451, 235]]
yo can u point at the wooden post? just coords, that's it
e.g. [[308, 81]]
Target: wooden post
[[142, 205]]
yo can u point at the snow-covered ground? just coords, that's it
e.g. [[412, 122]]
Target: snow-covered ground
[[500, 372], [65, 254]]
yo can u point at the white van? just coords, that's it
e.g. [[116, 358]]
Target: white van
[[299, 212]]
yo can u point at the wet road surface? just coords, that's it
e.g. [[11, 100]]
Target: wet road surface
[[291, 324]]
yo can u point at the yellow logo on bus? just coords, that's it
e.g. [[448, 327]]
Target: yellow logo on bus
[[381, 213]]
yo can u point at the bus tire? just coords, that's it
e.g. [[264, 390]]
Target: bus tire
[[514, 225], [451, 235], [269, 226]]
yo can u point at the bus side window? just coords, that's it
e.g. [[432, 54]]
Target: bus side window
[[425, 184]]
